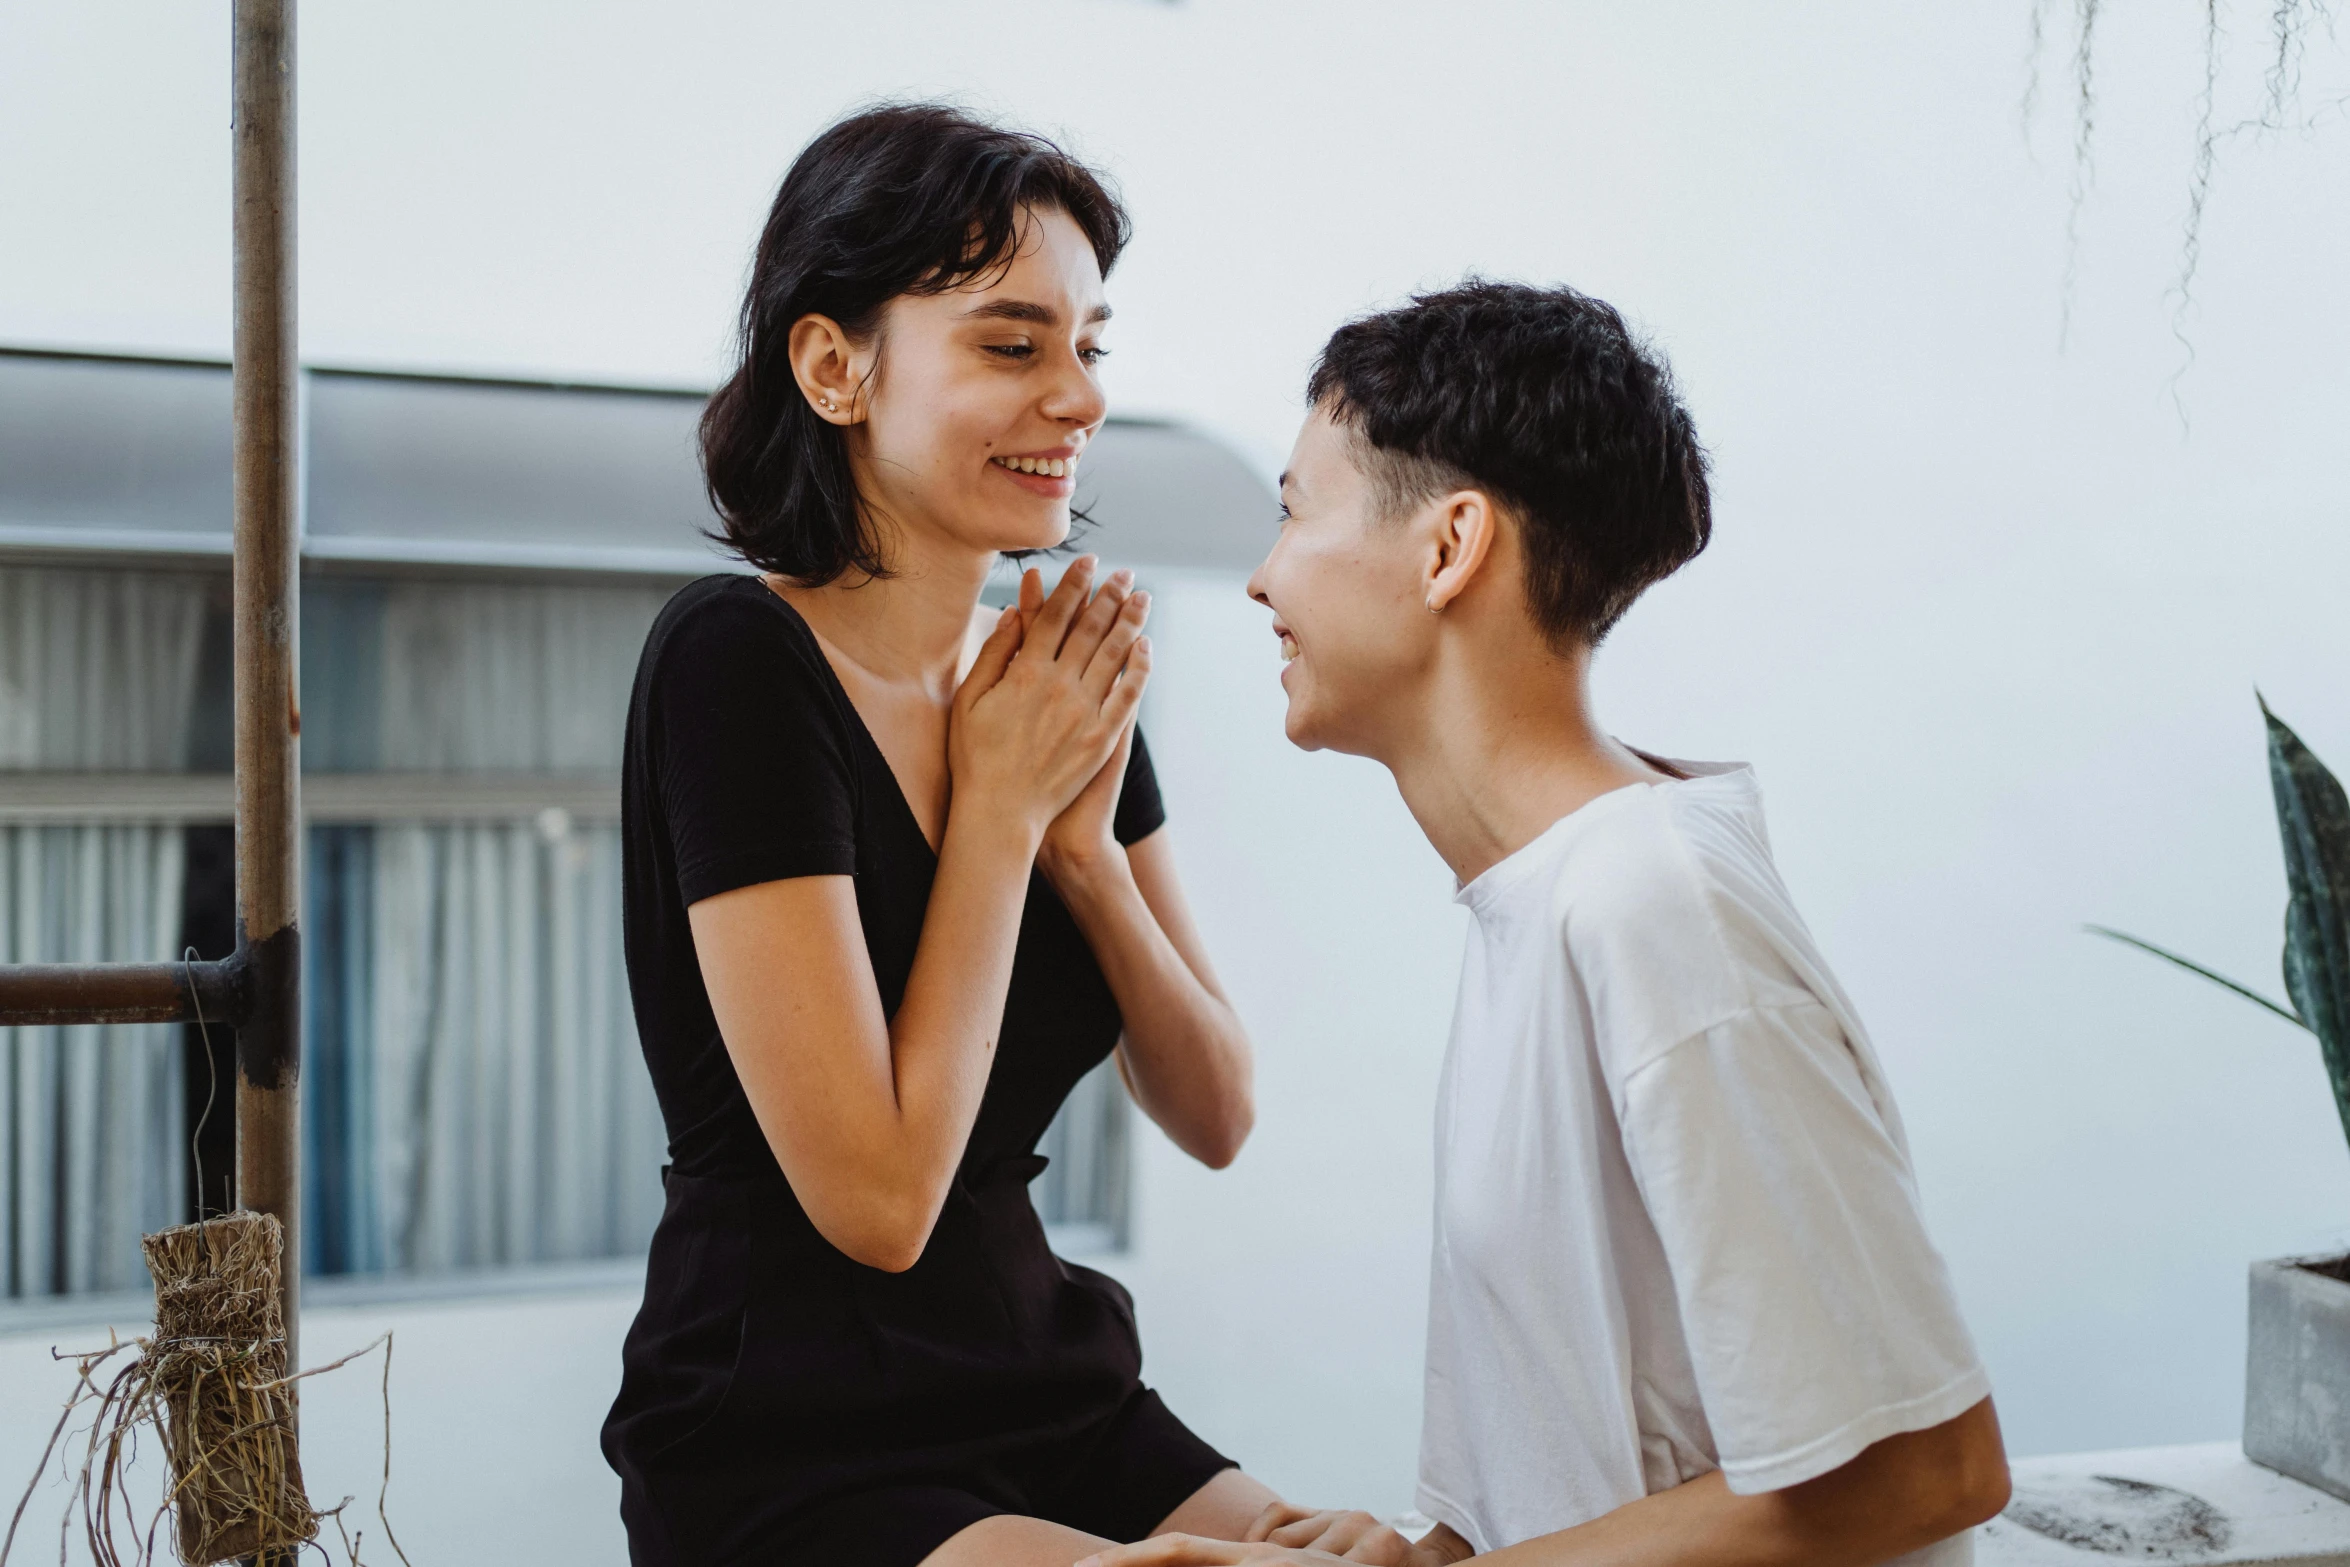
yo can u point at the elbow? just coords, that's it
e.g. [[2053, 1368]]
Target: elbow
[[1980, 1496], [888, 1232], [888, 1253], [1971, 1491], [1222, 1143]]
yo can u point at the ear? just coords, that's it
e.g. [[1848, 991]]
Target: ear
[[1465, 526], [830, 368]]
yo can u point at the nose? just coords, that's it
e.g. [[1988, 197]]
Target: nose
[[1256, 585], [1075, 397]]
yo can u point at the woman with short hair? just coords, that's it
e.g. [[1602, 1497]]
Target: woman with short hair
[[896, 878]]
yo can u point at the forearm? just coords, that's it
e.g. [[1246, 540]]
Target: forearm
[[1898, 1496], [1187, 1057], [943, 1035], [1700, 1524], [895, 1139]]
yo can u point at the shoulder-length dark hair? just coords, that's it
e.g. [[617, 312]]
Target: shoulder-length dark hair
[[901, 199]]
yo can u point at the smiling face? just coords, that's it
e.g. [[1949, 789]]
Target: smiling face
[[977, 404], [1347, 590]]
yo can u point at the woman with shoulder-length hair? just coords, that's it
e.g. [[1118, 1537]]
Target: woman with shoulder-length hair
[[896, 878]]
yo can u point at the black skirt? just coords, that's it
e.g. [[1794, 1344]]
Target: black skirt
[[784, 1404]]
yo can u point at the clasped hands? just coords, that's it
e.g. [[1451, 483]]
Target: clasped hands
[[1049, 707], [1299, 1535]]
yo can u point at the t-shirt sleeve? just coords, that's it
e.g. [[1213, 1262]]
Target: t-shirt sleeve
[[1141, 811], [754, 771], [1819, 1317]]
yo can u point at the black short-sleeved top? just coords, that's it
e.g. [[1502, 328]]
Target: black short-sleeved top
[[747, 763], [767, 1372]]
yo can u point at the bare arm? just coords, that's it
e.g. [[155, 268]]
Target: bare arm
[[1900, 1495], [1184, 1055], [867, 1115]]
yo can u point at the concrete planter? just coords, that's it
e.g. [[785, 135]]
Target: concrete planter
[[2297, 1371]]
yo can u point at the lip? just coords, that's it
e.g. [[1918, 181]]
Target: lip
[[1283, 634]]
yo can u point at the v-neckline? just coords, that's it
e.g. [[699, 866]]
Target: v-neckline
[[840, 689]]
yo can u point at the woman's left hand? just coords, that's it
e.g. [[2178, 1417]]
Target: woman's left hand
[[1083, 837]]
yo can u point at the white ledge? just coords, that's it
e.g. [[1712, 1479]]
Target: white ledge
[[2207, 1504]]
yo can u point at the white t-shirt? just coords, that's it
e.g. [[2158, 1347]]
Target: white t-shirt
[[1676, 1228]]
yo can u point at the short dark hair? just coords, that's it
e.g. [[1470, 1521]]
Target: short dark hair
[[909, 198], [1544, 399]]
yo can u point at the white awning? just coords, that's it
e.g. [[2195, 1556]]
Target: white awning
[[130, 457]]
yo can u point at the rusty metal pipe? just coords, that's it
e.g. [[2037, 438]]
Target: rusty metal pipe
[[34, 995], [258, 990], [266, 486]]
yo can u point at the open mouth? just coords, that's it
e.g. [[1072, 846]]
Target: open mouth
[[1040, 467], [1288, 642]]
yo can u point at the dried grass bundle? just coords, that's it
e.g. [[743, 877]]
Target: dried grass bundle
[[217, 1369], [213, 1381]]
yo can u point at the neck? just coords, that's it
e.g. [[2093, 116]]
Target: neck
[[907, 627], [1496, 746]]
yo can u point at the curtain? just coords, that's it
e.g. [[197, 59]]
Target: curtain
[[476, 1094], [97, 673]]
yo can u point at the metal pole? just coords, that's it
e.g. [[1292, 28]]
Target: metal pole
[[53, 993], [266, 480]]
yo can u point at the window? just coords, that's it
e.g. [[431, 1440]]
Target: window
[[481, 564], [473, 1095]]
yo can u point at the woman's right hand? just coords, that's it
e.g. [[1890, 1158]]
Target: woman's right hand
[[1047, 700]]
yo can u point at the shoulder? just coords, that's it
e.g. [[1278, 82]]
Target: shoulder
[[1673, 915], [729, 625], [730, 672], [1629, 875], [1679, 857]]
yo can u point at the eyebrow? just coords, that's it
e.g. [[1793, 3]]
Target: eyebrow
[[1025, 310]]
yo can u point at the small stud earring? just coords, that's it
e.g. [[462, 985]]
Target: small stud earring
[[828, 408], [1432, 608]]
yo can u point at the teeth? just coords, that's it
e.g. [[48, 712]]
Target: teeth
[[1043, 467], [1288, 649]]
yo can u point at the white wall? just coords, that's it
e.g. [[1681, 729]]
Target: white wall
[[1985, 614]]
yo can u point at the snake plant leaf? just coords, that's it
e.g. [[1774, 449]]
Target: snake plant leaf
[[2313, 818], [2193, 967]]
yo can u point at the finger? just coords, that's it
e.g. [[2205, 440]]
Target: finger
[[1031, 596], [1276, 1514], [1061, 607], [995, 656], [1094, 622], [1168, 1550], [1346, 1531], [1126, 697], [1329, 1531], [1382, 1547], [1110, 656]]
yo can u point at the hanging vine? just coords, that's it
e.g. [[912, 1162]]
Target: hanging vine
[[2289, 24]]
